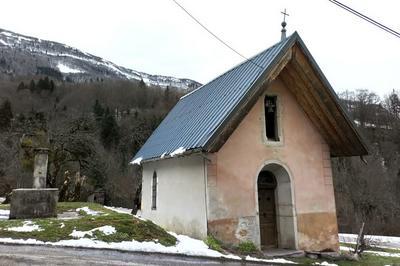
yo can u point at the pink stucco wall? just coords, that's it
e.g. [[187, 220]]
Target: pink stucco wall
[[233, 170]]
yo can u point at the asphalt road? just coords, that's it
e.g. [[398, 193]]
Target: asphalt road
[[43, 255]]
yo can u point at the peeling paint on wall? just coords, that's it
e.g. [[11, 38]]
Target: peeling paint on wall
[[224, 230], [318, 231], [247, 229]]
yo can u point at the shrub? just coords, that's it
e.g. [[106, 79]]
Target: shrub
[[213, 243], [247, 247]]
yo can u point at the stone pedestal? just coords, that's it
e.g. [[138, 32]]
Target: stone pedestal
[[27, 203]]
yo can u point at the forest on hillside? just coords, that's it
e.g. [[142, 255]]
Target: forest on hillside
[[368, 190], [93, 129]]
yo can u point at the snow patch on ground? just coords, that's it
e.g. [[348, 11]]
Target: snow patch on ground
[[107, 230], [2, 199], [66, 69], [27, 226], [373, 252], [343, 248], [378, 241], [190, 246], [119, 209], [4, 214], [178, 151], [325, 263], [277, 260], [137, 161], [383, 254], [185, 245], [88, 211]]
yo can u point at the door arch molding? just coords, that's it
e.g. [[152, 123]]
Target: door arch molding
[[286, 221]]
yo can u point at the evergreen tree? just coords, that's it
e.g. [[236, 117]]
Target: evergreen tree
[[167, 94], [142, 94], [142, 84], [46, 84], [5, 115], [394, 104], [21, 86], [109, 130], [32, 86], [98, 110], [40, 85], [52, 86]]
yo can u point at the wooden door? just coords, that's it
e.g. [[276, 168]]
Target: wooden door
[[267, 214]]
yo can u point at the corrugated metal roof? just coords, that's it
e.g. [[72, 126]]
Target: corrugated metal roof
[[197, 116]]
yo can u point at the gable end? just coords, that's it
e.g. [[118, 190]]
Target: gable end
[[300, 73]]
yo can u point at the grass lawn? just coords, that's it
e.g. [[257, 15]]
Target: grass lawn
[[389, 250], [367, 259], [127, 227]]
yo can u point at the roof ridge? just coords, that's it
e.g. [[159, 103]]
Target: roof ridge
[[239, 64]]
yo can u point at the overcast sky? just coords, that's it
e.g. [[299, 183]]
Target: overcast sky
[[157, 37]]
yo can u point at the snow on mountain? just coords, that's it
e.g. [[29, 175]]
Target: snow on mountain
[[24, 56], [66, 69]]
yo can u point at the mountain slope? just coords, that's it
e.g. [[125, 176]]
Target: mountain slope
[[25, 56]]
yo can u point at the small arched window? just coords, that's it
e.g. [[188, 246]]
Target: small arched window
[[154, 191]]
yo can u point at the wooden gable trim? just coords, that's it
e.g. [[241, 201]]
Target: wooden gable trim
[[337, 122], [296, 86]]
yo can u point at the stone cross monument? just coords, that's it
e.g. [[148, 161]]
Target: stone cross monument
[[39, 201]]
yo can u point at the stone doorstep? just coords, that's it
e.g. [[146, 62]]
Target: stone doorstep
[[280, 252], [324, 255]]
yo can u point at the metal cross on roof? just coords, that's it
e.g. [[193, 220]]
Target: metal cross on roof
[[284, 15]]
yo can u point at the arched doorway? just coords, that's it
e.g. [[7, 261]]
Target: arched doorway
[[266, 208], [277, 217]]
